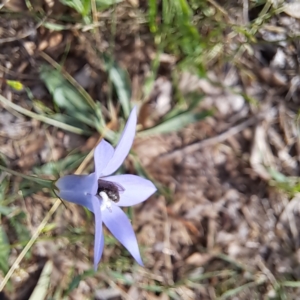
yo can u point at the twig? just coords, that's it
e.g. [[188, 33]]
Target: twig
[[219, 7], [167, 244], [267, 273], [245, 12], [210, 141]]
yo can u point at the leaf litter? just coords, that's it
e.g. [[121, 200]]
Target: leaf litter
[[225, 225]]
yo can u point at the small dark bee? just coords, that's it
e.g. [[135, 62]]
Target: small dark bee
[[111, 189]]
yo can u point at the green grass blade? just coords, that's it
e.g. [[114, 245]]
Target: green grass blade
[[239, 289], [4, 250], [291, 284], [43, 119], [175, 123], [121, 83]]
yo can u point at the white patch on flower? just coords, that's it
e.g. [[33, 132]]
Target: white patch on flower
[[106, 202]]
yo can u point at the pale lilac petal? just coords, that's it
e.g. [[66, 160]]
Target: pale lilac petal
[[81, 199], [119, 225], [102, 155], [99, 239], [77, 189], [137, 189], [123, 146], [82, 183]]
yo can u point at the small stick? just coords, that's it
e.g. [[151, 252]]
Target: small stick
[[210, 141]]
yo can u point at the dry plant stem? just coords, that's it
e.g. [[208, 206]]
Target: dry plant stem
[[221, 9], [29, 244], [180, 153], [245, 12], [267, 272], [94, 12], [212, 228], [167, 244], [43, 224]]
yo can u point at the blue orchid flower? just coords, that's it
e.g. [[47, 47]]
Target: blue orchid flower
[[104, 195]]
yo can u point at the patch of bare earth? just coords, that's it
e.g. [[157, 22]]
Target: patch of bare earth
[[223, 199], [219, 214]]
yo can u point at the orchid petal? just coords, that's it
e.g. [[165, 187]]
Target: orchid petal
[[119, 225], [77, 189], [82, 183], [123, 146], [137, 189], [102, 155], [84, 200], [99, 239]]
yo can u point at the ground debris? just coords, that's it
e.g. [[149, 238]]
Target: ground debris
[[227, 213]]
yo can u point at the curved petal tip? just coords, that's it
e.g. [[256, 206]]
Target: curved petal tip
[[119, 225], [123, 146]]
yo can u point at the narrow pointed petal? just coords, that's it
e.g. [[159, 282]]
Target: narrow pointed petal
[[119, 225], [123, 146], [83, 183], [84, 200], [102, 155], [77, 189], [99, 238], [137, 189]]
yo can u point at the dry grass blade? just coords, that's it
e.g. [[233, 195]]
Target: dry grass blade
[[29, 244]]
